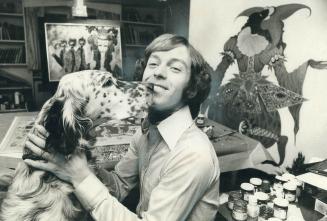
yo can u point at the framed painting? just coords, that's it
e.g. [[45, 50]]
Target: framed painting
[[73, 47]]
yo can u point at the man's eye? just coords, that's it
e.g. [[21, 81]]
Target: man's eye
[[175, 69], [152, 64]]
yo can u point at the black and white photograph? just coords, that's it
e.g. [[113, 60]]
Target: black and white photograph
[[77, 47], [163, 110]]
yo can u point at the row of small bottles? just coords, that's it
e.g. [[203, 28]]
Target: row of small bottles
[[15, 100], [259, 200]]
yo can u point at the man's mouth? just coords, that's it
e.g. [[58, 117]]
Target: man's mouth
[[159, 87]]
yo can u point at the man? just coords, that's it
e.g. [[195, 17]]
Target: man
[[173, 161], [63, 45], [70, 57], [80, 61]]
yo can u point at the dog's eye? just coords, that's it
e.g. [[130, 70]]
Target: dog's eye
[[108, 83], [121, 84]]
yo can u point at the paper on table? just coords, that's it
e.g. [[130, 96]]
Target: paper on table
[[314, 179], [294, 213], [16, 135]]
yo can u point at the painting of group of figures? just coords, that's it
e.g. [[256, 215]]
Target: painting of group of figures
[[76, 47]]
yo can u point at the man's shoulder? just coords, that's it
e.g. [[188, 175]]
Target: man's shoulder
[[195, 135], [197, 142]]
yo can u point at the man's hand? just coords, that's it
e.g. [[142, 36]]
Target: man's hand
[[72, 169]]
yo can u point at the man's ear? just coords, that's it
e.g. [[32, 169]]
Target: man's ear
[[191, 92]]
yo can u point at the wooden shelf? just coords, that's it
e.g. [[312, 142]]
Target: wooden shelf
[[15, 88], [141, 23], [135, 45], [14, 65], [12, 41], [12, 14], [14, 110]]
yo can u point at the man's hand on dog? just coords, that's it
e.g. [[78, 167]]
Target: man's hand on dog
[[73, 169]]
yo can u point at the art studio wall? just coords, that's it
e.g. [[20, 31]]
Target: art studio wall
[[212, 23]]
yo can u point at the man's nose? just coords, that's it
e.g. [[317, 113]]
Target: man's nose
[[160, 71]]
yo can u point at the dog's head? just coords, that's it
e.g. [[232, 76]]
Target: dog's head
[[84, 100]]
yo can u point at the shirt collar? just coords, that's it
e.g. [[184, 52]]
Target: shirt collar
[[172, 128]]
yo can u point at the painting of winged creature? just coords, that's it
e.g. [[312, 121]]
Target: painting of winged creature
[[249, 102]]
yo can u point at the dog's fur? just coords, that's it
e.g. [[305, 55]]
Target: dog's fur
[[83, 100]]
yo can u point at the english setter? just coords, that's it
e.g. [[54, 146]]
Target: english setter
[[82, 101]]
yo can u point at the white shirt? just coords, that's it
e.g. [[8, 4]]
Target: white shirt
[[178, 177]]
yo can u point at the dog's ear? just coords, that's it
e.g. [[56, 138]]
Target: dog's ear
[[62, 137]]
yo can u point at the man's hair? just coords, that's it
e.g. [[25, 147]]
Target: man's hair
[[72, 40], [198, 87]]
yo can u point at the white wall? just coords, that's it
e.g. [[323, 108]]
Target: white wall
[[212, 22]]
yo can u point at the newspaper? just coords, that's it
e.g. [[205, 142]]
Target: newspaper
[[14, 140], [11, 147]]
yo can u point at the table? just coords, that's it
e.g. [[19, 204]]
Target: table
[[234, 150]]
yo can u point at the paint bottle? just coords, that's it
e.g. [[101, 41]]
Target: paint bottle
[[256, 182], [280, 208], [288, 176], [299, 187], [290, 191], [265, 213], [16, 99], [278, 186], [239, 212], [262, 198], [233, 196], [252, 207], [265, 186], [247, 190]]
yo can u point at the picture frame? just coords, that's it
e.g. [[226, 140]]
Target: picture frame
[[72, 47]]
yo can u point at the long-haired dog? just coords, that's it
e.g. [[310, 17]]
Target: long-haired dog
[[82, 101]]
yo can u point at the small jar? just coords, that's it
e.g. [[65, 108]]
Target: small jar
[[279, 181], [256, 182], [265, 186], [280, 208], [200, 121], [299, 187], [288, 176], [239, 212], [290, 192], [265, 213], [262, 198], [233, 195], [247, 190], [252, 207], [16, 99]]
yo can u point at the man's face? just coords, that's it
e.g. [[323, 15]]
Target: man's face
[[63, 44], [103, 45], [81, 42], [170, 72], [71, 44]]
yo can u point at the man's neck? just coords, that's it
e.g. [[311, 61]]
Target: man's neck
[[155, 116]]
